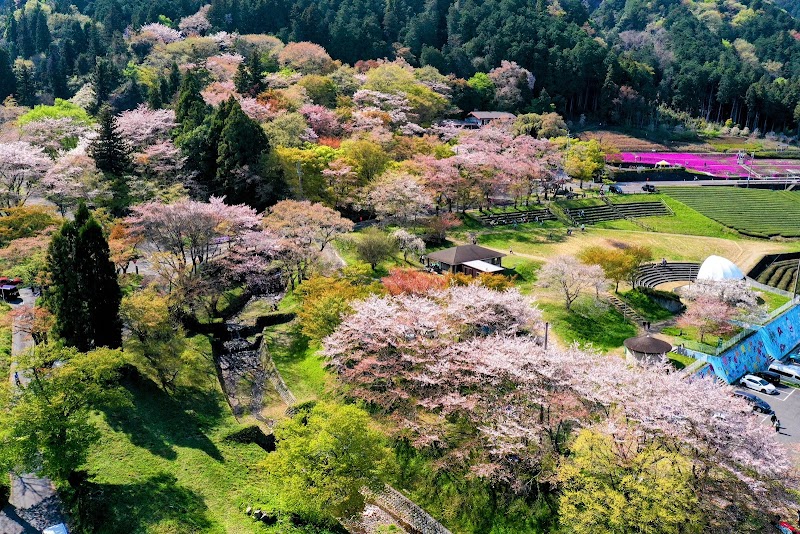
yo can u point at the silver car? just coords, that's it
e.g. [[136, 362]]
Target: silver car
[[758, 384]]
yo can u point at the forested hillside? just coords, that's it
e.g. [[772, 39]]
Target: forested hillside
[[617, 60]]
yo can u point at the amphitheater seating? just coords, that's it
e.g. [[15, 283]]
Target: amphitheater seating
[[596, 214], [517, 217], [653, 274]]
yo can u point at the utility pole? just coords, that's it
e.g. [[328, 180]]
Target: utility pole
[[546, 329]]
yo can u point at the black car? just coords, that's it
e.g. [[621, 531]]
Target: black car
[[650, 188], [757, 404], [769, 376], [615, 189]]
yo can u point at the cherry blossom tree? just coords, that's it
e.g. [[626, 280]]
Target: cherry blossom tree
[[408, 243], [22, 167], [305, 57], [343, 181], [571, 277], [412, 358], [72, 178], [733, 292], [143, 126], [180, 237], [157, 32], [709, 315], [513, 85], [55, 136], [196, 24], [322, 120], [308, 224], [399, 197]]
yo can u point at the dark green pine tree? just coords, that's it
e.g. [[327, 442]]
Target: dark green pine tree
[[84, 293], [26, 90], [154, 97], [8, 80], [190, 109], [112, 156], [241, 147], [242, 78], [42, 32], [109, 151]]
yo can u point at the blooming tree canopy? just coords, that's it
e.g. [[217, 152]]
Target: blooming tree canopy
[[22, 167]]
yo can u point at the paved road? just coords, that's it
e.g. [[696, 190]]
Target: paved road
[[34, 504], [787, 407]]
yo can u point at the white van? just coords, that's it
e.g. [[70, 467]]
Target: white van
[[792, 372]]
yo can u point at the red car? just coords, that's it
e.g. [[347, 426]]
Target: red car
[[786, 528]]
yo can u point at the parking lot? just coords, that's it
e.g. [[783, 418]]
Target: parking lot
[[787, 408]]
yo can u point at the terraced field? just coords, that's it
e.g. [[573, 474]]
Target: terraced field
[[780, 274], [754, 212]]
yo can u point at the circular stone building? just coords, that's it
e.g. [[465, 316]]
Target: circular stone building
[[645, 349], [718, 268]]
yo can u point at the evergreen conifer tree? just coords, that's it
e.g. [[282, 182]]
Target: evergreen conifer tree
[[109, 151], [84, 293], [190, 109], [8, 81]]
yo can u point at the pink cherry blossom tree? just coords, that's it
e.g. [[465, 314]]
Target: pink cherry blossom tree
[[571, 277], [73, 178], [196, 24], [408, 243], [399, 197], [55, 136], [22, 167], [143, 126]]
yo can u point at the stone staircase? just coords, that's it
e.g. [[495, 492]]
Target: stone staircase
[[625, 309]]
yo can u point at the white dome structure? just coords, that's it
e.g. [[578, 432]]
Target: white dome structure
[[718, 268]]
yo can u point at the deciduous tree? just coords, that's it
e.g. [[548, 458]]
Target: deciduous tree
[[571, 277]]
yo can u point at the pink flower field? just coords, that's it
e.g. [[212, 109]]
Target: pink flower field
[[716, 165]]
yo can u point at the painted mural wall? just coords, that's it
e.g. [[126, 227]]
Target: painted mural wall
[[754, 353]]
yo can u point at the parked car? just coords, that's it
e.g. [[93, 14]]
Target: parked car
[[793, 359], [758, 384], [786, 371], [756, 403], [649, 188], [769, 376], [615, 189], [786, 528], [60, 528]]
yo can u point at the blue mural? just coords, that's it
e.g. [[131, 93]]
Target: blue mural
[[754, 353]]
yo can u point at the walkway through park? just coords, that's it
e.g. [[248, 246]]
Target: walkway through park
[[34, 504]]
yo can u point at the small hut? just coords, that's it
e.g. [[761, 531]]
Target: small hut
[[645, 349], [468, 259]]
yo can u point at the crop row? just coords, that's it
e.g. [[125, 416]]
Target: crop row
[[751, 211]]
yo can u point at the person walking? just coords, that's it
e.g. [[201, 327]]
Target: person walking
[[17, 381], [777, 425], [773, 418]]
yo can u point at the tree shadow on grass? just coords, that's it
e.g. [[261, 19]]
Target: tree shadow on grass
[[159, 500], [158, 422]]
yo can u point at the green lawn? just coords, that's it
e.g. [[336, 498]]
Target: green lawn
[[164, 466], [525, 272], [680, 361], [603, 326], [646, 306], [772, 301], [299, 362]]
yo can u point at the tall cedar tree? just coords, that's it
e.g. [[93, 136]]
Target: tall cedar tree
[[242, 143], [109, 151], [8, 80], [191, 108], [84, 293]]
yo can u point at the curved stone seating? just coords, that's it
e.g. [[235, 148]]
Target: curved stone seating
[[517, 217], [596, 214], [653, 274]]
